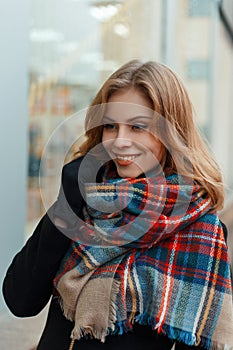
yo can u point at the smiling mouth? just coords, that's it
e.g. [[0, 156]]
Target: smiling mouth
[[125, 160]]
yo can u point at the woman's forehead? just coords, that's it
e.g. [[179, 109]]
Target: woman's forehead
[[125, 110], [131, 95]]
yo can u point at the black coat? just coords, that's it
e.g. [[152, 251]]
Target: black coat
[[28, 284]]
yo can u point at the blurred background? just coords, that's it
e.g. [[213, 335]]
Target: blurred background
[[55, 54]]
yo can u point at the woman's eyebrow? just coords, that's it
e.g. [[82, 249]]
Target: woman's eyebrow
[[107, 118]]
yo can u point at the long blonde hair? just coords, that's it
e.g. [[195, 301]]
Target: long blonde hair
[[169, 99]]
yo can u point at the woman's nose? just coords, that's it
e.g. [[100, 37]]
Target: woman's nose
[[122, 138]]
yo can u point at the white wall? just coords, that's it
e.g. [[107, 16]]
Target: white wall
[[14, 23]]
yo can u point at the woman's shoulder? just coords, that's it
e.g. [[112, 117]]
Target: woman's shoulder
[[70, 173], [70, 182], [72, 167], [225, 230], [83, 169]]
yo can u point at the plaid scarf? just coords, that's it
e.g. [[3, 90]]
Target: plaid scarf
[[159, 259]]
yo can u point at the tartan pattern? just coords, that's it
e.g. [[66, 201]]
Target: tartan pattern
[[167, 253]]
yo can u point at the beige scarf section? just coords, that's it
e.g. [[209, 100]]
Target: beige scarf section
[[89, 303]]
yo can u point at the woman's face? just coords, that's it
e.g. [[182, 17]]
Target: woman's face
[[126, 133]]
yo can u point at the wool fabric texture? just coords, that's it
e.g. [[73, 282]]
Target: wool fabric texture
[[160, 259]]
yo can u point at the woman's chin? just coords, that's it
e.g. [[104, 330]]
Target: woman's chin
[[131, 170]]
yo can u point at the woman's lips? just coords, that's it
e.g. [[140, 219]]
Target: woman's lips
[[125, 160]]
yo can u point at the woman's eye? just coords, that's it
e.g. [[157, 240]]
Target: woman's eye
[[139, 127], [109, 126]]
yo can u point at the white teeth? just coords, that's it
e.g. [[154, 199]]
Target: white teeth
[[126, 157]]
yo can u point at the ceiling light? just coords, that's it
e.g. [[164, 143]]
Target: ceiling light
[[121, 29], [104, 10]]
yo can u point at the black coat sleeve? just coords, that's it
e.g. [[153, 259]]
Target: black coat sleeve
[[28, 283], [225, 231]]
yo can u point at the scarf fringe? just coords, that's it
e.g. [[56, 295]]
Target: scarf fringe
[[89, 330], [125, 326], [79, 332], [68, 312], [112, 307], [122, 327], [172, 333]]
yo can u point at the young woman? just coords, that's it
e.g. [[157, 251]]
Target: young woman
[[132, 252]]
